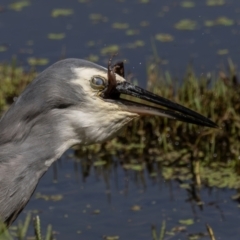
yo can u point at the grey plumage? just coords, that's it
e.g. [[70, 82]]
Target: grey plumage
[[72, 102], [29, 133], [51, 89]]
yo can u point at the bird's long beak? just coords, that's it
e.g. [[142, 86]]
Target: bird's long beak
[[152, 104]]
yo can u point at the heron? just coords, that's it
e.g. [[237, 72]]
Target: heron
[[73, 101]]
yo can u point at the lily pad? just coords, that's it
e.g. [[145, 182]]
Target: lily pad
[[111, 49], [221, 21], [215, 2], [56, 36], [163, 37], [225, 21], [138, 43], [222, 51], [97, 17], [186, 24], [131, 32], [3, 48], [189, 221], [18, 6], [187, 4], [92, 58], [61, 12], [120, 25], [111, 237], [37, 61]]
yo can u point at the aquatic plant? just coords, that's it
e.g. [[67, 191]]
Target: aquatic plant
[[192, 155]]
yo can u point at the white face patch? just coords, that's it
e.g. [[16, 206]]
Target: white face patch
[[96, 120], [97, 125], [84, 75]]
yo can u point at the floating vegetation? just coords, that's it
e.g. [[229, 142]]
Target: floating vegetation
[[186, 24], [92, 58], [54, 198], [221, 21], [97, 17], [61, 12], [111, 49], [111, 237], [120, 25], [163, 37], [56, 36], [222, 51], [18, 6], [189, 221], [136, 44], [3, 48], [187, 4], [37, 61], [132, 32], [213, 3]]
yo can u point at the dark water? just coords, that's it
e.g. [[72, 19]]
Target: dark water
[[115, 191], [199, 46]]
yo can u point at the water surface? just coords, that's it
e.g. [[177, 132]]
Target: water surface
[[91, 28], [113, 192]]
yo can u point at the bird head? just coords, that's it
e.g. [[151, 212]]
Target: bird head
[[86, 103], [73, 101], [113, 101]]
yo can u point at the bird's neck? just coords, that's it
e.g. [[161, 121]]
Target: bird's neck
[[37, 143], [26, 152]]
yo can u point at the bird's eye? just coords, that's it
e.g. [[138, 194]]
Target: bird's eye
[[97, 82]]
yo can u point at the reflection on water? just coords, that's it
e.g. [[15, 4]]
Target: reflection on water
[[101, 197]]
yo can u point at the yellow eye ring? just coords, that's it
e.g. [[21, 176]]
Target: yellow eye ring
[[98, 82]]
